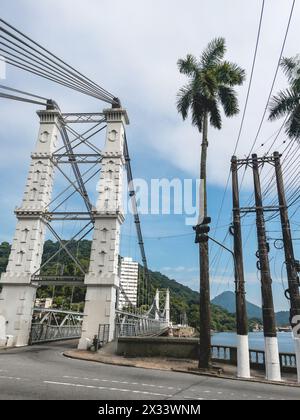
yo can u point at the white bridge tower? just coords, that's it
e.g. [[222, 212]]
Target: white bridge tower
[[18, 293], [102, 279]]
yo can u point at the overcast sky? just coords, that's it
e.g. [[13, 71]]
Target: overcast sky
[[131, 48]]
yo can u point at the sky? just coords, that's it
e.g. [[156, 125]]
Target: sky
[[131, 49]]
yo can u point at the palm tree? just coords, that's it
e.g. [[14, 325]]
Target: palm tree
[[287, 102], [210, 88]]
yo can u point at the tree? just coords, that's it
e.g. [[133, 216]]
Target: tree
[[287, 102], [210, 88]]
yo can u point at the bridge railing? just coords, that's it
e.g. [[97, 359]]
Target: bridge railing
[[55, 325], [228, 354], [133, 325]]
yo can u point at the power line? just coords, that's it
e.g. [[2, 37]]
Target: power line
[[274, 78], [245, 106]]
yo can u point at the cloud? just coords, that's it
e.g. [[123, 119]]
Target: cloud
[[179, 269], [132, 48]]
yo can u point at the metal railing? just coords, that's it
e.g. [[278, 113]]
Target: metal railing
[[103, 334], [54, 325], [228, 354], [132, 325]]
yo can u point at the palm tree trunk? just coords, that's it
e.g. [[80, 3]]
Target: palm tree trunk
[[205, 312]]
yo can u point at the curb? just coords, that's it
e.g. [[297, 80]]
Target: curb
[[233, 378], [112, 363], [190, 372]]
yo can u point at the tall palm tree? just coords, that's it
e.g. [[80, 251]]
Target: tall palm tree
[[287, 102], [210, 87]]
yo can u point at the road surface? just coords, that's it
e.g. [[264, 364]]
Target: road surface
[[42, 372]]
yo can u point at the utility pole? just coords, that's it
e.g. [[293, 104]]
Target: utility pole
[[271, 343], [292, 275], [243, 360], [202, 230]]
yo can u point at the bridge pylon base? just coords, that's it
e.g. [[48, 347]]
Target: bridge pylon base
[[99, 309], [16, 307]]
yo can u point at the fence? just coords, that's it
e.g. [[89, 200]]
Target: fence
[[55, 325], [228, 354], [132, 325]]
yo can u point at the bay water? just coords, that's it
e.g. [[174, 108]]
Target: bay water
[[256, 340]]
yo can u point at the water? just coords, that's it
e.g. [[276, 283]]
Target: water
[[256, 340]]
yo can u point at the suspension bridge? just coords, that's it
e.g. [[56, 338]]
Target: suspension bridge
[[67, 159]]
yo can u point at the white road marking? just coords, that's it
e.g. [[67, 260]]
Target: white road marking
[[13, 377], [124, 382], [106, 388]]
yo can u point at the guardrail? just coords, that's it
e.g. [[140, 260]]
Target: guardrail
[[228, 354]]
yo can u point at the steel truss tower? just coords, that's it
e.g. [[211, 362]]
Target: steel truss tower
[[39, 211]]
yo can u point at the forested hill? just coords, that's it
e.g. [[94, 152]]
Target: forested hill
[[183, 299]]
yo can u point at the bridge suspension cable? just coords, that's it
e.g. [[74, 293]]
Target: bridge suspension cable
[[137, 221], [20, 51], [22, 96]]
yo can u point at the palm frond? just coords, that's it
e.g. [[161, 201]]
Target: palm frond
[[283, 103], [215, 115], [188, 66], [207, 83], [214, 53], [198, 111], [230, 73], [292, 126], [184, 100], [229, 101], [288, 66]]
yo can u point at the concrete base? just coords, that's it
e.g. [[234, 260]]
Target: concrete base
[[243, 359], [272, 359], [99, 309], [16, 307], [297, 352]]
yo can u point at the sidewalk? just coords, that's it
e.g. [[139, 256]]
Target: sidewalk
[[107, 356]]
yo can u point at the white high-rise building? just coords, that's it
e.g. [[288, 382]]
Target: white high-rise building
[[129, 281]]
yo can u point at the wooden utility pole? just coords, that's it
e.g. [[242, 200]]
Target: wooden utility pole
[[241, 309], [271, 344], [292, 274]]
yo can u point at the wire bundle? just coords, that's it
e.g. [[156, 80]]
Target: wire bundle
[[22, 52]]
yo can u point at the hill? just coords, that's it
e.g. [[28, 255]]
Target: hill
[[226, 300], [183, 300]]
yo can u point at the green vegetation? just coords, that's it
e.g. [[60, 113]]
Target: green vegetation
[[286, 102], [183, 299], [4, 254]]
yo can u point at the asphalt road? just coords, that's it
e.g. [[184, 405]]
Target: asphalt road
[[42, 373]]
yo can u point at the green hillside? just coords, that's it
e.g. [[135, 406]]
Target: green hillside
[[183, 300]]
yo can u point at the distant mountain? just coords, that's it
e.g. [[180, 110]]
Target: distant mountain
[[226, 300]]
